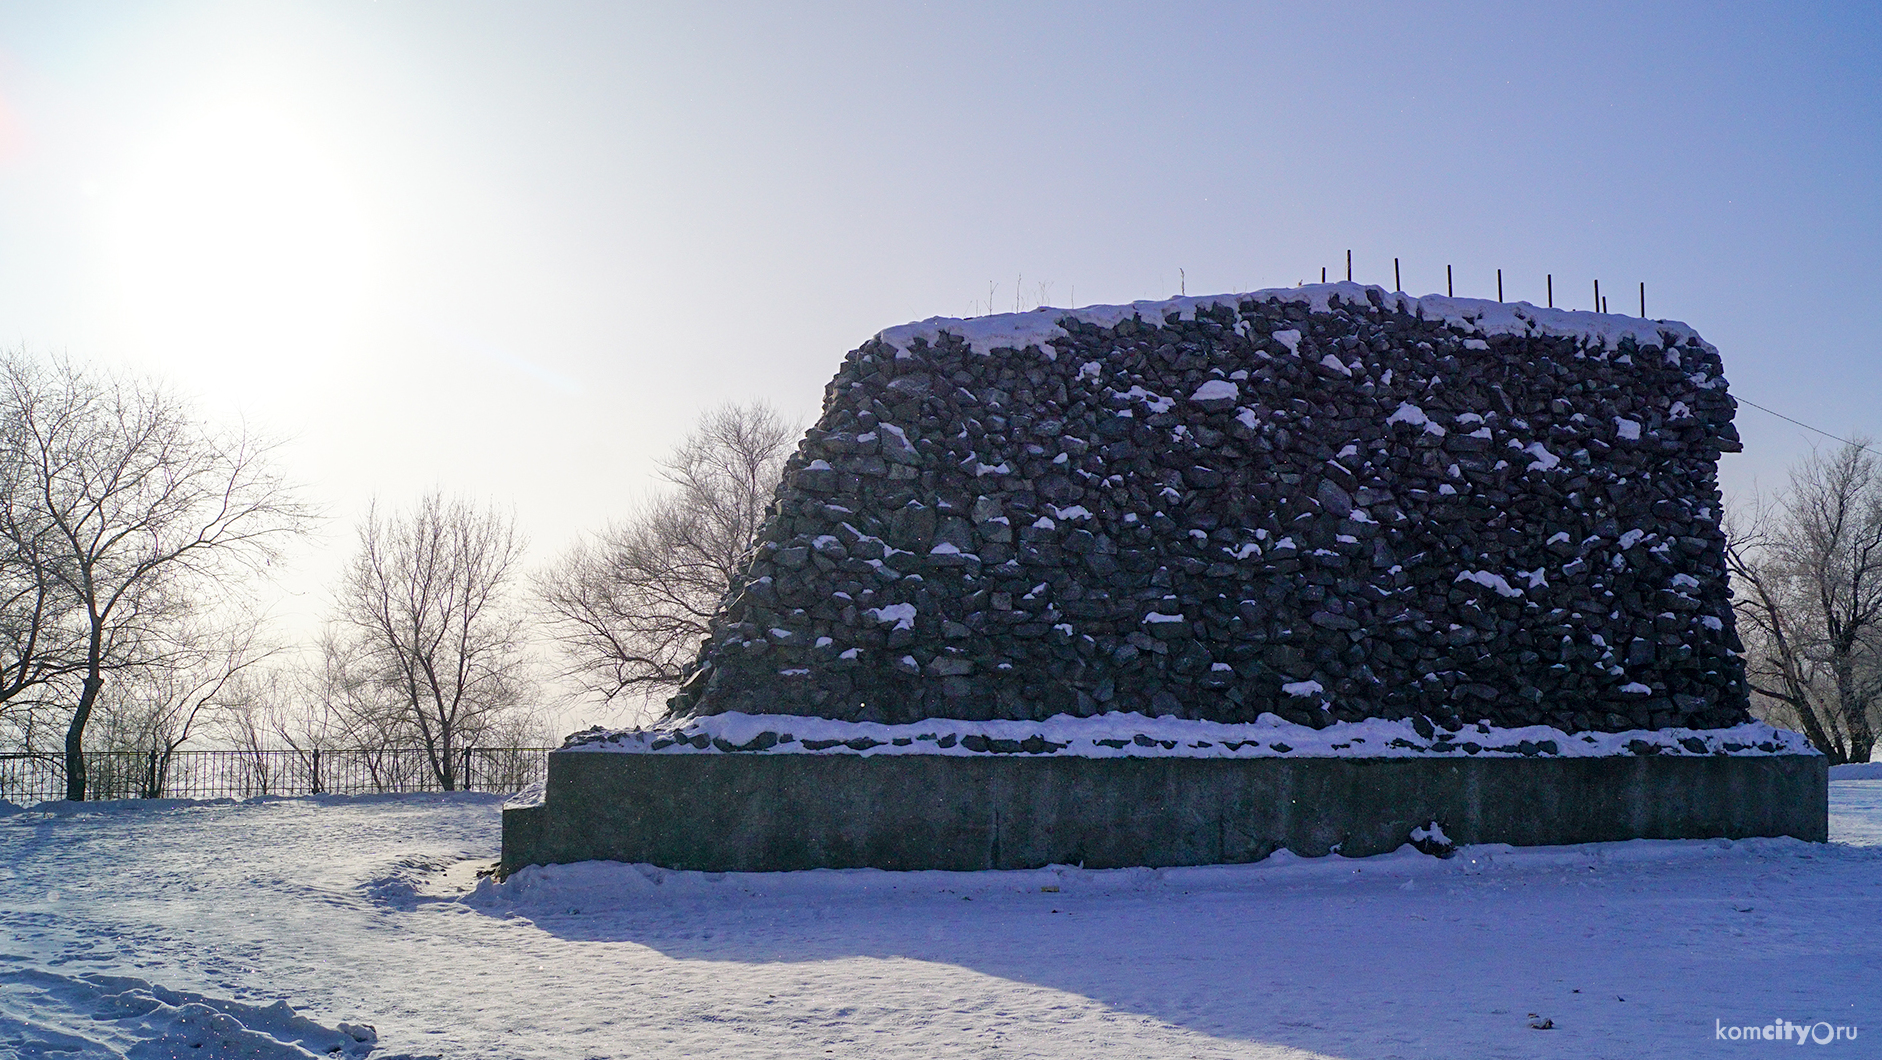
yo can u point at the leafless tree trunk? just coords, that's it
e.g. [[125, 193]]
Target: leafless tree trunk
[[144, 508], [426, 600], [1807, 571], [629, 609]]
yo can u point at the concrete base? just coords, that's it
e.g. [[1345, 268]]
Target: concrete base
[[762, 813]]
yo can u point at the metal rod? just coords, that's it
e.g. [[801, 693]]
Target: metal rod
[[1597, 296], [1499, 285], [1323, 274], [1643, 299], [1397, 284], [1450, 289], [1349, 266], [1551, 290]]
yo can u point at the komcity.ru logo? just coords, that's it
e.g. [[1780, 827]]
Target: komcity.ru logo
[[1784, 1031]]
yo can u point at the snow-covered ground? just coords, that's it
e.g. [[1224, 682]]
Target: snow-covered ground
[[177, 924]]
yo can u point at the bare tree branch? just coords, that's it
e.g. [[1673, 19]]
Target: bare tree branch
[[204, 673], [1807, 570], [629, 609]]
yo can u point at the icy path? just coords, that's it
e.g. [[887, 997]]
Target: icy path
[[361, 911]]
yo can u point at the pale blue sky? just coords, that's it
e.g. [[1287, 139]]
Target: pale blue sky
[[513, 249]]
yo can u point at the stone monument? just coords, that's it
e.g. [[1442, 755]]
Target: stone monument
[[1189, 581]]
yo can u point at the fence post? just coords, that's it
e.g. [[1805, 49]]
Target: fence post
[[465, 781], [316, 784]]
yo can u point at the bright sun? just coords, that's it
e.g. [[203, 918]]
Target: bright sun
[[236, 237]]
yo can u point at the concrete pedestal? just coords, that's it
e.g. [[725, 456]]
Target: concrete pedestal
[[761, 813]]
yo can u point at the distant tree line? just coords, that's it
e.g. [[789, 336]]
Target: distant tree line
[[134, 535]]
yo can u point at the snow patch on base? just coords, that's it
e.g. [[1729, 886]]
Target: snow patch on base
[[533, 795], [1122, 735]]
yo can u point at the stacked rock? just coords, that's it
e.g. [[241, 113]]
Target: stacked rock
[[1328, 503]]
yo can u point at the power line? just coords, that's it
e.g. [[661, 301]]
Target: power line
[[1807, 427]]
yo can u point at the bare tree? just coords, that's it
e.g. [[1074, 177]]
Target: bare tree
[[427, 602], [203, 674], [139, 508], [257, 707], [334, 703], [1807, 571], [629, 609]]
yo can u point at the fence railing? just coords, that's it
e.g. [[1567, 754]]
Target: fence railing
[[38, 776]]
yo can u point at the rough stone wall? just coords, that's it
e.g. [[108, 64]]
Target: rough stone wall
[[1328, 503]]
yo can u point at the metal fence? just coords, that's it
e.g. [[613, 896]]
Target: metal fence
[[38, 776]]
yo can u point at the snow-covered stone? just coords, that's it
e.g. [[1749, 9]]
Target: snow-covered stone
[[1430, 510]]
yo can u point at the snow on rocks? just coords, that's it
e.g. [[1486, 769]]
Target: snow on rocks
[[1479, 510], [1216, 395], [1544, 460], [1131, 735], [983, 335], [1430, 839], [897, 616], [1492, 581], [1412, 414]]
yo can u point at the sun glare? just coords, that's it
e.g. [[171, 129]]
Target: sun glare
[[236, 237]]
